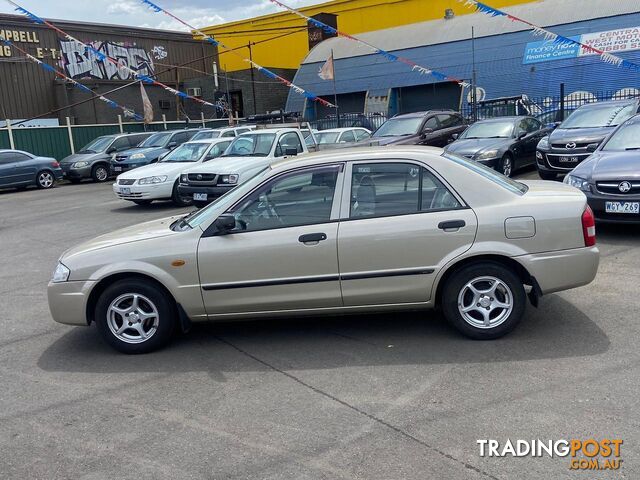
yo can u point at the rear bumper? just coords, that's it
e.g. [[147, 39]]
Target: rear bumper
[[562, 270], [158, 191], [68, 301], [211, 191]]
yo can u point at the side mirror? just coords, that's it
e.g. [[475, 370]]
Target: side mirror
[[225, 223], [521, 135], [427, 130], [455, 136], [171, 145], [592, 147], [291, 152]]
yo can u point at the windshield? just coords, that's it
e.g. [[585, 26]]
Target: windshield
[[488, 173], [187, 152], [156, 140], [399, 126], [627, 137], [327, 137], [206, 135], [593, 116], [251, 145], [96, 145], [489, 130]]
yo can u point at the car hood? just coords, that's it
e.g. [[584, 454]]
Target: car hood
[[579, 135], [136, 233], [394, 140], [230, 165], [604, 165], [83, 157], [470, 146], [160, 168], [148, 152]]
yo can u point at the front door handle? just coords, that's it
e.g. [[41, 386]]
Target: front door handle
[[312, 237], [451, 224]]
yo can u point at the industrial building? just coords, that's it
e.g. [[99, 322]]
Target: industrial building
[[508, 59], [27, 90]]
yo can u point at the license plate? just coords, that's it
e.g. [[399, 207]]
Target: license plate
[[622, 207], [125, 191], [202, 197], [117, 169], [569, 159]]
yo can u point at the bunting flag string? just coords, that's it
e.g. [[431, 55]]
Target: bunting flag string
[[415, 67], [554, 37], [268, 73], [105, 58], [127, 111]]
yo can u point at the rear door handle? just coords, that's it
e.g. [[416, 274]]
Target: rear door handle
[[312, 237], [451, 224]]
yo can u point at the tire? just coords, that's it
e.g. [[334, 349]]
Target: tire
[[547, 175], [506, 165], [45, 179], [100, 173], [177, 199], [142, 202], [493, 310], [121, 319]]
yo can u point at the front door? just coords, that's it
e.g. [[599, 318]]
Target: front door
[[282, 254], [403, 225]]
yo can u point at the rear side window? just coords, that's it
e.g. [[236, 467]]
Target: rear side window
[[488, 173], [387, 189]]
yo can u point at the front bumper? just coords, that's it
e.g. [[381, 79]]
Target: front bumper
[[597, 203], [158, 191], [68, 301], [213, 192], [563, 159], [562, 270], [117, 168], [76, 173]]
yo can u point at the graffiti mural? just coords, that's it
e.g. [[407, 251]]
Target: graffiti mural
[[81, 63]]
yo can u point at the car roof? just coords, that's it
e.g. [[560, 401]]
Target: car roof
[[339, 130], [422, 114], [210, 140], [609, 103], [512, 118]]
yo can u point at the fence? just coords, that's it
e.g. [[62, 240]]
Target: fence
[[366, 120], [60, 141]]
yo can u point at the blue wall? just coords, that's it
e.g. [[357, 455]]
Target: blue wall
[[499, 65]]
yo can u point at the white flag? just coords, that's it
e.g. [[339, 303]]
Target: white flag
[[326, 71], [146, 105]]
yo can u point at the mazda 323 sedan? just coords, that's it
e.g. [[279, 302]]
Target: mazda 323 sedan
[[344, 231]]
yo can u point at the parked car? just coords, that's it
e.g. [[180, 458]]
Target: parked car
[[610, 177], [435, 128], [209, 133], [352, 230], [92, 160], [20, 169], [553, 118], [566, 146], [248, 154], [150, 150], [159, 181], [340, 135], [503, 143]]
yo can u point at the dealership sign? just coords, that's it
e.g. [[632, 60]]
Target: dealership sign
[[612, 41]]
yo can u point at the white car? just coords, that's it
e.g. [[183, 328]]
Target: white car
[[159, 181], [342, 135], [223, 132]]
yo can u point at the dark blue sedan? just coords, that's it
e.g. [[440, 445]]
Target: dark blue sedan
[[20, 169]]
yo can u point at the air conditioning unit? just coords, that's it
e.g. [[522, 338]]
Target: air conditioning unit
[[194, 91]]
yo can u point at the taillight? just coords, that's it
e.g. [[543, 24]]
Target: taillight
[[55, 164], [589, 227]]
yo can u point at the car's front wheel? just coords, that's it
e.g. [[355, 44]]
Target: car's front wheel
[[135, 316], [506, 165], [100, 173], [178, 200], [45, 179], [484, 300]]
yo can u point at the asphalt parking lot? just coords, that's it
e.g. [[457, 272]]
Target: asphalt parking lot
[[384, 397]]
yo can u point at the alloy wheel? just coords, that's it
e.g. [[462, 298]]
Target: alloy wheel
[[507, 166], [485, 302], [45, 179], [101, 174], [132, 318]]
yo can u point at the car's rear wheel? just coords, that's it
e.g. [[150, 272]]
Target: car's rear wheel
[[484, 300], [142, 202], [547, 175], [178, 200], [100, 173], [506, 165], [135, 316], [45, 179]]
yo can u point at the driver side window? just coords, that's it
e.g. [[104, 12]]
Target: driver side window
[[297, 198]]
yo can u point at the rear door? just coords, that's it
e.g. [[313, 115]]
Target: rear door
[[400, 224]]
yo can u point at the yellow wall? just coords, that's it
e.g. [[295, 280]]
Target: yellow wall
[[354, 16]]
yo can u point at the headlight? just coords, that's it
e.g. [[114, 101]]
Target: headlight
[[79, 164], [577, 182], [137, 156], [60, 274], [152, 180], [229, 179], [543, 144], [184, 178], [487, 154]]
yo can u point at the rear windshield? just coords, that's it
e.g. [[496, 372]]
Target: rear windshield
[[488, 173]]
